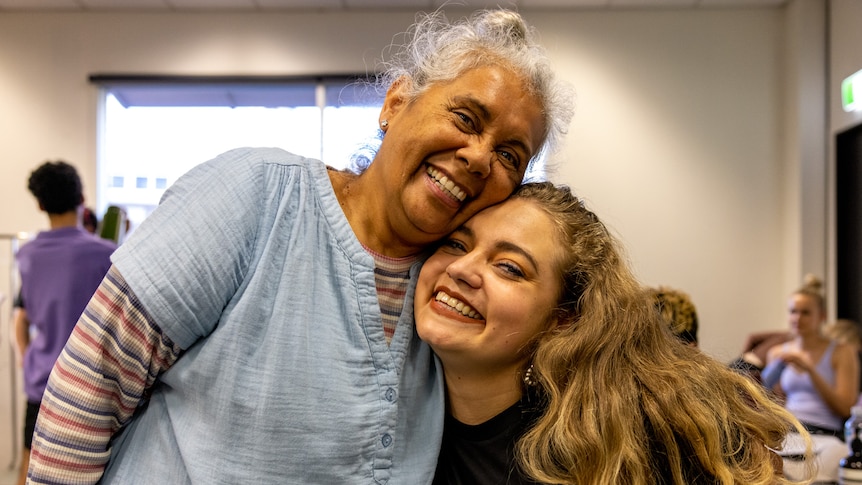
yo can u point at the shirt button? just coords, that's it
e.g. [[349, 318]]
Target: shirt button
[[386, 440], [390, 394]]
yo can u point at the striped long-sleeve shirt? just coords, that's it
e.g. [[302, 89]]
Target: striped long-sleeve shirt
[[112, 357]]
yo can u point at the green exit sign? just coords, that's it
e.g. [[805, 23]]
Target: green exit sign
[[851, 92]]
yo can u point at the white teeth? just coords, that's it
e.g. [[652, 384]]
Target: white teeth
[[457, 304], [447, 185]]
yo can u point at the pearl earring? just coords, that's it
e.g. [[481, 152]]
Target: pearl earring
[[528, 377]]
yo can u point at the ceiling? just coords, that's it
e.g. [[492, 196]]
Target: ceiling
[[349, 5]]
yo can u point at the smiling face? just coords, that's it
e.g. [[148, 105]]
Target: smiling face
[[457, 148], [491, 288]]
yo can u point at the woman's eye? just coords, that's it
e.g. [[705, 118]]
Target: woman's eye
[[512, 269], [510, 159], [465, 119], [453, 246]]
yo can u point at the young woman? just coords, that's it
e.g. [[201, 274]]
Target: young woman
[[817, 376], [251, 329], [559, 369]]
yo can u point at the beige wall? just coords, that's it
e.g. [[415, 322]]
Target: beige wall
[[696, 135], [677, 144]]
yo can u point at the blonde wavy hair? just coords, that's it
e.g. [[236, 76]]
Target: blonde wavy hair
[[622, 400]]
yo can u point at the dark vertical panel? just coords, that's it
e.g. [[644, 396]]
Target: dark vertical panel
[[849, 223]]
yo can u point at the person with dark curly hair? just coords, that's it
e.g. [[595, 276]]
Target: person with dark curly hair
[[60, 270], [678, 311]]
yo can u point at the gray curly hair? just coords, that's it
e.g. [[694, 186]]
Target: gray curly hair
[[438, 50]]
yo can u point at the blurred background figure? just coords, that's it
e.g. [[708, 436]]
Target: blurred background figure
[[847, 332], [89, 221], [817, 375], [678, 311], [753, 357], [60, 270]]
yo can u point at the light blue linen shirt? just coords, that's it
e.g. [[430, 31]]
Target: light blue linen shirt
[[251, 266]]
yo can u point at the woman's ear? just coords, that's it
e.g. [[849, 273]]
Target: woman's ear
[[396, 98]]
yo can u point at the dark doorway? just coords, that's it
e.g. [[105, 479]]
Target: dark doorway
[[848, 171]]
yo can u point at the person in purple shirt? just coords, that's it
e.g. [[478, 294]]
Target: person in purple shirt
[[60, 270]]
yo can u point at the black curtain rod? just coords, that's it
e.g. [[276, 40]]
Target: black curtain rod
[[112, 78]]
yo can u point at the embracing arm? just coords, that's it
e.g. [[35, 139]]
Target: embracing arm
[[113, 356]]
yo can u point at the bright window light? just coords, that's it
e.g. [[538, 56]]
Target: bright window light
[[151, 146]]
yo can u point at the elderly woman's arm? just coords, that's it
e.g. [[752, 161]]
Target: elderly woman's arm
[[112, 357]]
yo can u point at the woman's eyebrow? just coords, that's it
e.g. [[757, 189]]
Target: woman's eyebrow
[[466, 231], [485, 113], [511, 247], [506, 246]]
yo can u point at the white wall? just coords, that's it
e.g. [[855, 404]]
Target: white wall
[[677, 144], [690, 138]]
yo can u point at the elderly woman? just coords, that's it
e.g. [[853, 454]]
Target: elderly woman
[[251, 330], [560, 370]]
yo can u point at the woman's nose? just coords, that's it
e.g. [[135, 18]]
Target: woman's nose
[[477, 156], [463, 270]]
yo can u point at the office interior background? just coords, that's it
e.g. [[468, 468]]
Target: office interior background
[[704, 134]]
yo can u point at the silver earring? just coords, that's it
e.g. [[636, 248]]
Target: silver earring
[[384, 124], [528, 377]]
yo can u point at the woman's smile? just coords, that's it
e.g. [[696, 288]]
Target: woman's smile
[[459, 306]]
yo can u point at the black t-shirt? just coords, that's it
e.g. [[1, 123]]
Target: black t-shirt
[[483, 454]]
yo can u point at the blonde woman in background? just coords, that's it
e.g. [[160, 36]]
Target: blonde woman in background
[[816, 376]]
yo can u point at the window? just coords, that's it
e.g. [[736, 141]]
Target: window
[[154, 129]]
